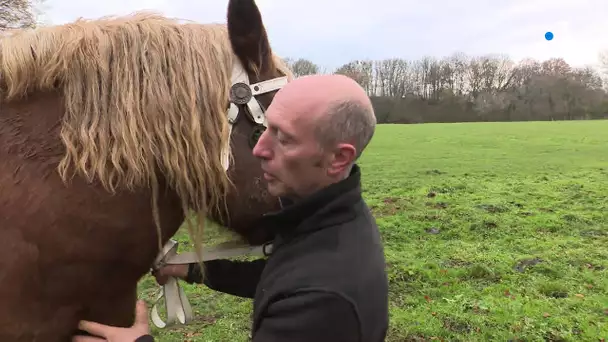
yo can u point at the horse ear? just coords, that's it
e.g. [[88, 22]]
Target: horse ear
[[248, 35]]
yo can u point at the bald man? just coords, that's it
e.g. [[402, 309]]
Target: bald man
[[325, 279]]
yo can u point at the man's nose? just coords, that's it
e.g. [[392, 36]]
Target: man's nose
[[261, 149]]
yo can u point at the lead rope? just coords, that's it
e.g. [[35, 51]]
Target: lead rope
[[177, 306]]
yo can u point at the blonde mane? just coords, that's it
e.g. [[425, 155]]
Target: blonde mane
[[145, 98]]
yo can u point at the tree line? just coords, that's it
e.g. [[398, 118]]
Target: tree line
[[462, 88], [457, 88]]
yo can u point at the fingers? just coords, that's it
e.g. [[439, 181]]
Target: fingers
[[161, 280], [163, 274], [141, 313], [95, 329], [174, 270], [87, 339], [160, 276], [181, 271]]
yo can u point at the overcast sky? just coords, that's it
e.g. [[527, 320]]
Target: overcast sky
[[333, 32]]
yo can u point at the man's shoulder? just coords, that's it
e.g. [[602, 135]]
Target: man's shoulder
[[348, 248], [346, 260], [334, 250], [342, 264]]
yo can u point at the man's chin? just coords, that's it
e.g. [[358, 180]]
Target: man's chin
[[275, 189]]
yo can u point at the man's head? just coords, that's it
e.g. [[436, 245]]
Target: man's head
[[317, 127]]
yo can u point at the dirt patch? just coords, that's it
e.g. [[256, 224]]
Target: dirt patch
[[434, 172], [593, 233], [448, 189], [455, 263], [390, 206], [485, 225], [516, 204], [457, 326], [433, 230], [554, 290], [493, 208], [420, 338], [593, 267], [437, 205], [482, 272], [524, 264], [390, 200]]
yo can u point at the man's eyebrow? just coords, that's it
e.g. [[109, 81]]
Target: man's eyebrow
[[286, 134], [281, 130]]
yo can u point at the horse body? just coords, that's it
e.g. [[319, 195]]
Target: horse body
[[70, 251], [75, 249]]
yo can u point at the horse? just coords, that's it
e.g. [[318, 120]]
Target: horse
[[113, 132]]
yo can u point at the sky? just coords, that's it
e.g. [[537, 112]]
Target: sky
[[333, 32]]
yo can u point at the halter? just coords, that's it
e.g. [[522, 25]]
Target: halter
[[244, 94], [177, 305]]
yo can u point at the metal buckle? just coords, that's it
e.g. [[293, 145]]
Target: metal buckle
[[240, 93]]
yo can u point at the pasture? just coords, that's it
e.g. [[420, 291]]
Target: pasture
[[492, 231]]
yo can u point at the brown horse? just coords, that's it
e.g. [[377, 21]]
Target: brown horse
[[112, 130]]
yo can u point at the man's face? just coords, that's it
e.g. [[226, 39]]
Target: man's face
[[294, 164]]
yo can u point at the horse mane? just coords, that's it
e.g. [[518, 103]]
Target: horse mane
[[145, 97]]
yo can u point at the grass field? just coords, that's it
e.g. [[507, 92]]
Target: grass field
[[492, 232]]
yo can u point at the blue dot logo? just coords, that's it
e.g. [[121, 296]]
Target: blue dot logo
[[549, 35]]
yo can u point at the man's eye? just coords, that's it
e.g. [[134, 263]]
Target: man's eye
[[282, 139]]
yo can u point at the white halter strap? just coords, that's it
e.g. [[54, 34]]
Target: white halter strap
[[177, 306]]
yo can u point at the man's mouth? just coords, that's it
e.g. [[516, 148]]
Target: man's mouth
[[268, 176]]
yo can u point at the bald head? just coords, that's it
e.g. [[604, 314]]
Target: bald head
[[337, 107], [312, 92], [317, 127]]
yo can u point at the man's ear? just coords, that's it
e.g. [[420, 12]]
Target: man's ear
[[248, 36], [344, 155]]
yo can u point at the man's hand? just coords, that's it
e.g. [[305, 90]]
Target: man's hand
[[163, 274], [116, 334]]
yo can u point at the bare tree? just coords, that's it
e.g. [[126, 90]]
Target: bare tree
[[358, 71], [15, 14], [603, 57], [303, 67], [392, 77], [485, 88]]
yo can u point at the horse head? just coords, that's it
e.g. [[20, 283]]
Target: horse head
[[256, 77]]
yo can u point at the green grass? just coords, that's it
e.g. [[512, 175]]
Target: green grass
[[492, 231]]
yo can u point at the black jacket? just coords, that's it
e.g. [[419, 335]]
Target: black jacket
[[325, 279]]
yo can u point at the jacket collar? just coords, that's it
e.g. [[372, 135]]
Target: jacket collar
[[327, 206]]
